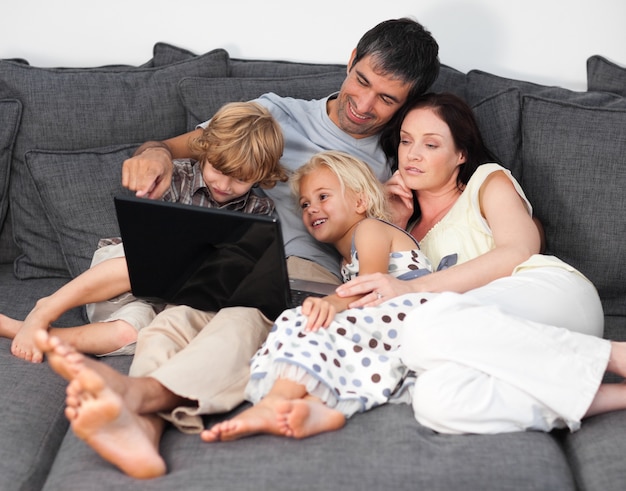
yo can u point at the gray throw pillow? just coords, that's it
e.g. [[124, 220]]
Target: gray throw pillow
[[202, 97], [482, 84], [10, 115], [76, 108], [165, 54], [606, 76], [575, 176], [278, 68], [450, 80], [498, 118], [86, 214]]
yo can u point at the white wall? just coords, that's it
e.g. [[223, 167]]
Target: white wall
[[545, 41]]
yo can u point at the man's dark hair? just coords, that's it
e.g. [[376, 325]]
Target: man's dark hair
[[403, 49]]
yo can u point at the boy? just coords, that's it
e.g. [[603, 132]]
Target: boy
[[240, 148]]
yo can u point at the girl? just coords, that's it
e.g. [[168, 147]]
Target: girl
[[240, 148], [295, 391]]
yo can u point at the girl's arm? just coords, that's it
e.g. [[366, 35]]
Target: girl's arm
[[516, 238], [372, 241]]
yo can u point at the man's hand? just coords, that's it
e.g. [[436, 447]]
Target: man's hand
[[149, 171]]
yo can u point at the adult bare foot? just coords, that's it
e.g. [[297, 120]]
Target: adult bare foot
[[99, 416], [306, 417], [260, 418], [68, 362], [62, 357]]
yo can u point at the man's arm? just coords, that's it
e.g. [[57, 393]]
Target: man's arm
[[149, 171]]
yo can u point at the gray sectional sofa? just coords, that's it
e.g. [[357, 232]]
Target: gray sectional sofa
[[63, 136]]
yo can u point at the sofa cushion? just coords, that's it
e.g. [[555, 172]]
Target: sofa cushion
[[482, 84], [575, 176], [166, 54], [202, 97], [278, 68], [450, 80], [10, 114], [604, 75], [498, 117], [80, 218], [69, 109], [387, 437]]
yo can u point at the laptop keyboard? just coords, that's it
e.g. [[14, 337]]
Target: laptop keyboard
[[298, 296]]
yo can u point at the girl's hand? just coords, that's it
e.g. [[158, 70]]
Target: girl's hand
[[320, 312], [376, 288], [400, 199]]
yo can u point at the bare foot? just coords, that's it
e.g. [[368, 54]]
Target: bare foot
[[67, 362], [9, 326], [305, 417], [62, 357], [99, 416], [23, 345], [260, 418]]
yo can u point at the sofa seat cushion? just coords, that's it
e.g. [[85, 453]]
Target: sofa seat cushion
[[381, 449], [75, 108], [575, 176]]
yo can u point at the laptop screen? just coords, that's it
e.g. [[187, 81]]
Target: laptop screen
[[206, 258]]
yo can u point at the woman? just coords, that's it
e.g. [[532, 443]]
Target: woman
[[479, 356]]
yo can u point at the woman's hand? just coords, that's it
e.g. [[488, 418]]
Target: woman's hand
[[320, 312], [376, 288], [400, 200]]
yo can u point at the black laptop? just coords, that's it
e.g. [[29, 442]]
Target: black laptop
[[208, 258]]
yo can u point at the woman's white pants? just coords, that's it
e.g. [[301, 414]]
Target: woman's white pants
[[483, 367]]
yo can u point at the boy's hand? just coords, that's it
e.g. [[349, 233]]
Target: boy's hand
[[320, 312]]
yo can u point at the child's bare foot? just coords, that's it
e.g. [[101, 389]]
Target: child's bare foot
[[305, 417], [260, 418], [99, 416], [9, 326], [23, 345]]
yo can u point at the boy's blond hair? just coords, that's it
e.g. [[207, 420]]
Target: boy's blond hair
[[243, 141], [353, 174]]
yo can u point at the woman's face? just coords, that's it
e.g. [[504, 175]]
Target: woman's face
[[427, 156]]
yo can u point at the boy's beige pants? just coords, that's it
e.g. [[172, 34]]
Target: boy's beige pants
[[204, 356]]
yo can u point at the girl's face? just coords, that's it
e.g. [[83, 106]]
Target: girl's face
[[427, 156], [327, 213], [223, 188]]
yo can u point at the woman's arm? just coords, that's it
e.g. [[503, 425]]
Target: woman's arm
[[516, 238]]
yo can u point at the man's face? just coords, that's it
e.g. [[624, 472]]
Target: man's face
[[367, 100]]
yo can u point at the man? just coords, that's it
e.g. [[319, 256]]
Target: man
[[393, 62]]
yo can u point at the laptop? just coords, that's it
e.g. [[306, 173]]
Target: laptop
[[208, 258]]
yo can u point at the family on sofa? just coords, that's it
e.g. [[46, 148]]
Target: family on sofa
[[473, 223]]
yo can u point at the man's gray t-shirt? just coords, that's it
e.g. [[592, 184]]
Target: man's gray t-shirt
[[307, 130]]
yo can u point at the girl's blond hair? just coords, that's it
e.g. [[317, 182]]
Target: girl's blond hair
[[244, 141], [353, 174]]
